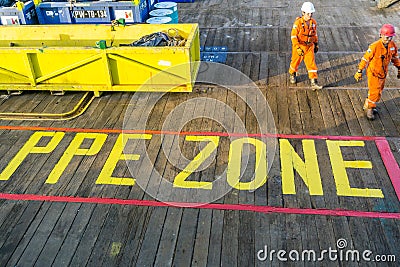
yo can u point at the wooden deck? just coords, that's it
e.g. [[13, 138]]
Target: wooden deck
[[326, 178]]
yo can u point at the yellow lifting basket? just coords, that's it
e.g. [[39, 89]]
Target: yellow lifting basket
[[90, 58]]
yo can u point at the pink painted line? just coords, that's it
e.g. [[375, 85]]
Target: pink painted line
[[214, 206], [391, 165], [221, 134]]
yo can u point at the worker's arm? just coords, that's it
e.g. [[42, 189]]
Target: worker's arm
[[395, 57], [294, 34], [367, 57]]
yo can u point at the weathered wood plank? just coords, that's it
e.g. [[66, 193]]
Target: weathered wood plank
[[57, 235]]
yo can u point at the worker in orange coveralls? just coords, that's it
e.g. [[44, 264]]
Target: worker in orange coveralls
[[377, 58], [304, 45]]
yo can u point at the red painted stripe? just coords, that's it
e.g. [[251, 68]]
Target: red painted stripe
[[391, 165], [215, 206], [117, 131]]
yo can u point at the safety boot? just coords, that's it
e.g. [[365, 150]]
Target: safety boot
[[314, 85], [369, 111], [292, 78], [370, 114]]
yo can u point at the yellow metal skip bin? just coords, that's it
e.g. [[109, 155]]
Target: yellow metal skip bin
[[71, 58]]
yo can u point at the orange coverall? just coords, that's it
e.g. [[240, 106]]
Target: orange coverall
[[304, 35], [378, 58]]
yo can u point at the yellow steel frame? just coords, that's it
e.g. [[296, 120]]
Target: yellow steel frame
[[65, 58]]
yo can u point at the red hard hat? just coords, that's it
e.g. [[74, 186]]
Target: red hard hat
[[387, 30]]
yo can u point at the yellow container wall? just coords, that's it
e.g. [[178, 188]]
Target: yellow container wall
[[65, 57]]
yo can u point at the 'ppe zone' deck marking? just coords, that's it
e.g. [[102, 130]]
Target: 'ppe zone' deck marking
[[381, 143]]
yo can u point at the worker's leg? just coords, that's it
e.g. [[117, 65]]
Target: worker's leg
[[375, 87], [295, 62], [309, 60]]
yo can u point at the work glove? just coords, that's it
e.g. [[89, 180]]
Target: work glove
[[316, 48], [300, 52], [398, 73], [358, 75]]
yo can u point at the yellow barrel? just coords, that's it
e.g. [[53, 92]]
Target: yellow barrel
[[90, 58]]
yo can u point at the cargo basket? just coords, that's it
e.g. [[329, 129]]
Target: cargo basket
[[90, 58]]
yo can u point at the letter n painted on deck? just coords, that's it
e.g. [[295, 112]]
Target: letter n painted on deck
[[307, 169]]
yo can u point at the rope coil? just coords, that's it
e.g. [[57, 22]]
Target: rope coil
[[175, 38]]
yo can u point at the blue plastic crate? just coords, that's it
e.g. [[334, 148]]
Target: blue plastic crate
[[99, 12], [13, 16]]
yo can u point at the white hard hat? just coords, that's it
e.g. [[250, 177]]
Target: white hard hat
[[308, 7]]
